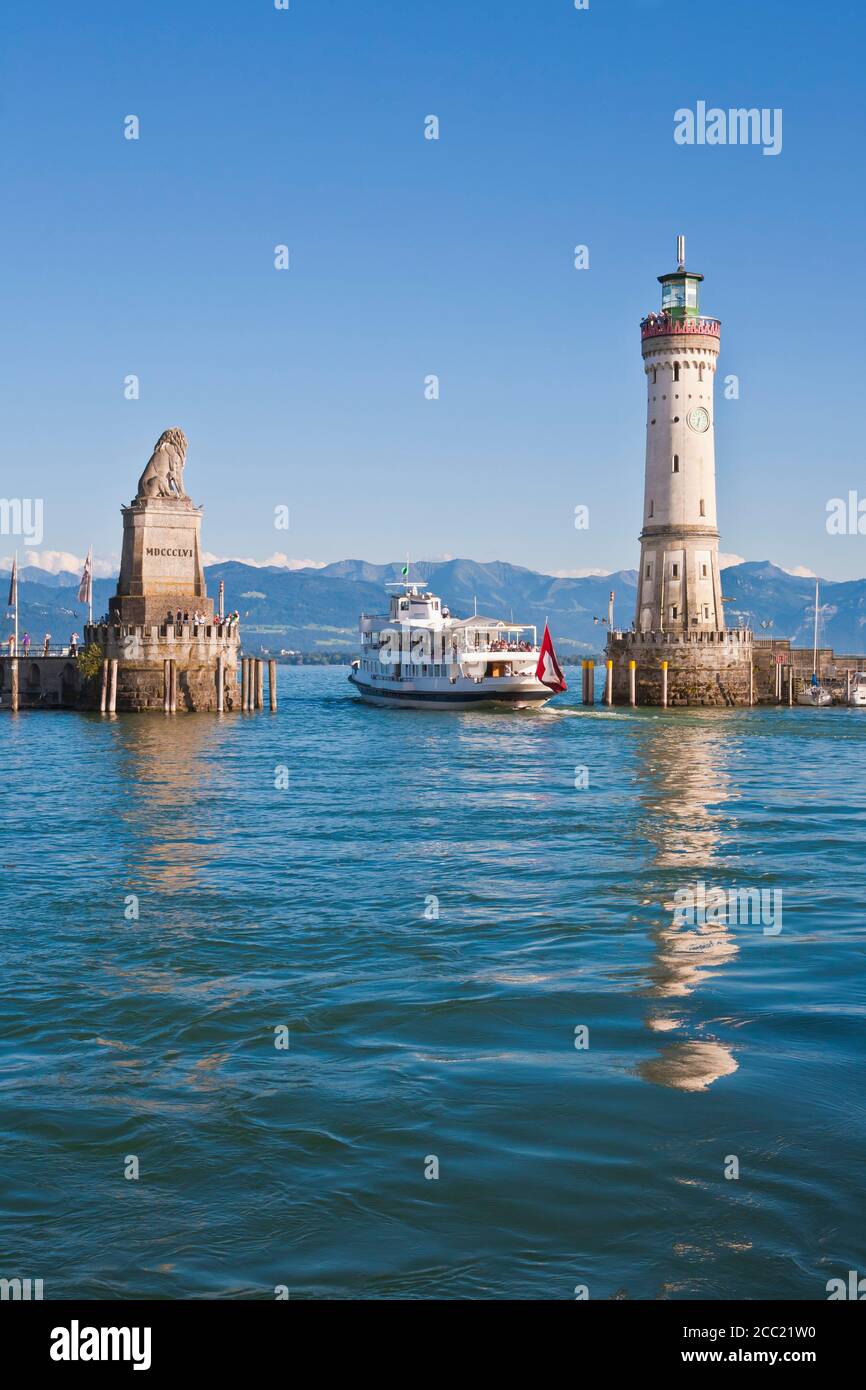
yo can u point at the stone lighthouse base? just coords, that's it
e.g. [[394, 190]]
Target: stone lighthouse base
[[703, 668]]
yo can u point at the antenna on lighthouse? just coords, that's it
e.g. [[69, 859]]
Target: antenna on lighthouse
[[681, 253]]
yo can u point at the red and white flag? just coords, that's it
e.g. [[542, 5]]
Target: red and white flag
[[548, 670]]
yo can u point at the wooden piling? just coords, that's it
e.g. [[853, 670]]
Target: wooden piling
[[172, 699], [272, 684], [221, 676], [245, 677], [103, 688], [751, 682], [590, 681], [260, 683], [632, 694], [790, 683], [608, 684], [13, 673], [112, 689], [664, 685], [166, 685]]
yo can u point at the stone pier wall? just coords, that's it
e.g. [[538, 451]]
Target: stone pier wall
[[44, 682], [141, 653], [708, 668]]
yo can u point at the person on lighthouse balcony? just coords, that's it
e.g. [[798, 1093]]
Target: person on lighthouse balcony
[[548, 670]]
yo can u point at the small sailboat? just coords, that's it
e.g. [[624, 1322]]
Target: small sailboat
[[815, 693]]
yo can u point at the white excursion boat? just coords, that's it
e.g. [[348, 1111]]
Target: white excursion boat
[[420, 657], [857, 692], [816, 693]]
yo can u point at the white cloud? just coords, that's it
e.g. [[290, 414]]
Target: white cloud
[[579, 574], [280, 559], [799, 572], [61, 561], [725, 561]]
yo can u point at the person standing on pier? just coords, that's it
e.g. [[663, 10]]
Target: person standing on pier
[[46, 643], [26, 643], [73, 644]]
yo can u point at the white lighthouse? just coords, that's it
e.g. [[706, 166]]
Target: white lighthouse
[[678, 586], [679, 651]]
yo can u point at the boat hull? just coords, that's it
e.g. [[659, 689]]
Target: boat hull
[[412, 696]]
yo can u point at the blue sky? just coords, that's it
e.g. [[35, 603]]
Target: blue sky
[[410, 257]]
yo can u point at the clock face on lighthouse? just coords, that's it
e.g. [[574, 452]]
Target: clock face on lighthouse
[[698, 419]]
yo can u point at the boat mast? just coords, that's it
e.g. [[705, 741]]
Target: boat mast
[[815, 642]]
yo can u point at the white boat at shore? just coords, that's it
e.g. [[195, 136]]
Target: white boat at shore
[[857, 690], [417, 656], [815, 694]]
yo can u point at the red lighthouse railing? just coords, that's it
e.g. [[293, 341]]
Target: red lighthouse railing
[[659, 325]]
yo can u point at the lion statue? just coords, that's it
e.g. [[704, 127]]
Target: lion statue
[[163, 476]]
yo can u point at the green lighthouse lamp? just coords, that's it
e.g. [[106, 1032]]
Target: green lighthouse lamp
[[680, 297]]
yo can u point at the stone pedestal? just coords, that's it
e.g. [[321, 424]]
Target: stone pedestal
[[161, 627], [160, 565], [707, 668]]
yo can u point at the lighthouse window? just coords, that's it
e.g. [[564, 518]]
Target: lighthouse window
[[676, 463], [651, 507], [673, 295], [706, 610], [703, 572], [676, 371], [649, 572], [703, 508], [675, 571], [674, 612], [691, 294]]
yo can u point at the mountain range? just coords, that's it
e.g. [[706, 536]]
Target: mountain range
[[316, 610]]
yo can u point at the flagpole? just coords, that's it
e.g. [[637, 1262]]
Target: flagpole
[[16, 602], [90, 604]]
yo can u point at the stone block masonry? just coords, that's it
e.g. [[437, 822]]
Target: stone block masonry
[[713, 668]]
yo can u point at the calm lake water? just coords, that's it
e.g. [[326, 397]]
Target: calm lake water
[[417, 1037]]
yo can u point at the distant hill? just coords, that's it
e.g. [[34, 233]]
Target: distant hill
[[317, 609]]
